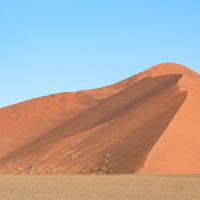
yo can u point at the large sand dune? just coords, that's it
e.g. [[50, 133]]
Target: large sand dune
[[148, 123]]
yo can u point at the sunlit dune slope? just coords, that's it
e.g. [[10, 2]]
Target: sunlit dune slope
[[148, 123]]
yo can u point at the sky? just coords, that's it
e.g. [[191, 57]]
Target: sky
[[52, 46]]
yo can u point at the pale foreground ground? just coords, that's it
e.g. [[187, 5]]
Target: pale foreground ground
[[112, 187]]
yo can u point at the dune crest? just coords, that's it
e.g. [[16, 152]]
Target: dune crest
[[148, 123]]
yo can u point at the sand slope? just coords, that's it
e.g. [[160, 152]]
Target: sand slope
[[148, 123]]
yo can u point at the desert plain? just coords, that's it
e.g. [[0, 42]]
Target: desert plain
[[105, 187]]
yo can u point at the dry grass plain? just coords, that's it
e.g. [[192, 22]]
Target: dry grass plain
[[112, 187]]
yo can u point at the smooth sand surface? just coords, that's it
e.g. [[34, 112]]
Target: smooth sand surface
[[146, 124], [112, 187]]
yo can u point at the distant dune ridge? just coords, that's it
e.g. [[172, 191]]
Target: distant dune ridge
[[146, 124]]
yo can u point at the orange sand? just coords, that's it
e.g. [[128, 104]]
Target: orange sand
[[148, 123]]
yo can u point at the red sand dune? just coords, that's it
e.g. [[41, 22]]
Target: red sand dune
[[148, 123]]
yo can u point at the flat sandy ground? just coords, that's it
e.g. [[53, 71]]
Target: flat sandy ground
[[112, 187]]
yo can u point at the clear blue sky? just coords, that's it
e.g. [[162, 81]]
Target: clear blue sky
[[51, 46]]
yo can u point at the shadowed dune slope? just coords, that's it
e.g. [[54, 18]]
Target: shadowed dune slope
[[148, 123]]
